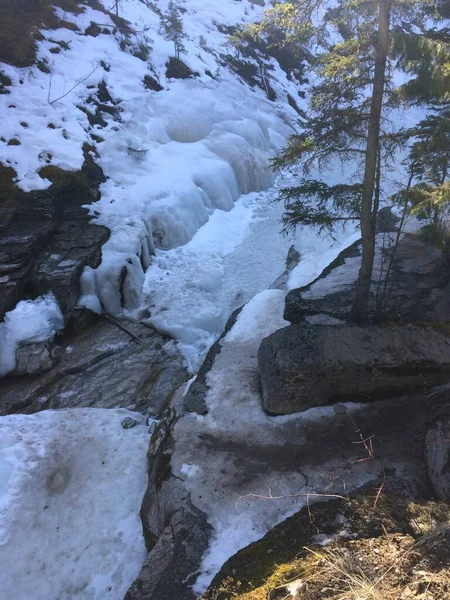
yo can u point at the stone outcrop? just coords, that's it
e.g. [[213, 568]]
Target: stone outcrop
[[176, 532], [386, 220], [420, 289], [306, 365], [46, 238], [37, 358], [109, 364]]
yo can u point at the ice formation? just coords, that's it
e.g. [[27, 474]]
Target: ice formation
[[170, 157], [202, 154]]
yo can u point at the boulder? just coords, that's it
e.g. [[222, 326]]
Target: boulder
[[386, 220], [437, 454], [305, 365], [129, 423]]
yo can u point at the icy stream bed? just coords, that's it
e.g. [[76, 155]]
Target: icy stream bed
[[192, 290]]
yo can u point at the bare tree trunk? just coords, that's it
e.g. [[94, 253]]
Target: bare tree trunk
[[359, 308]]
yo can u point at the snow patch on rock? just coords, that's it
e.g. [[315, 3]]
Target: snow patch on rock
[[29, 322]]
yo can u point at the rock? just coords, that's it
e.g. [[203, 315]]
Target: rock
[[302, 366], [292, 259], [177, 69], [437, 453], [150, 83], [297, 307], [46, 238], [386, 220], [163, 387], [420, 284], [102, 366], [93, 30], [37, 358], [129, 423], [176, 532]]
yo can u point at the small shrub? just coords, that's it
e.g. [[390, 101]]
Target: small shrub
[[172, 26], [436, 234]]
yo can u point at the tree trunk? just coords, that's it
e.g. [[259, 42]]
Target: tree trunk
[[359, 308]]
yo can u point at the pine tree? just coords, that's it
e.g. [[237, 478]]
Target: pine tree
[[428, 196], [356, 55], [172, 26]]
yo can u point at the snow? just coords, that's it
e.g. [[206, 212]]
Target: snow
[[219, 455], [31, 321], [71, 485], [201, 142], [194, 235], [340, 279], [192, 290], [200, 168]]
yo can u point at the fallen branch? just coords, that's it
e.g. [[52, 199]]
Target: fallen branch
[[71, 89], [123, 328]]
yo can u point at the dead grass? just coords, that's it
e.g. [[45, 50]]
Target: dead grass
[[402, 552], [392, 567]]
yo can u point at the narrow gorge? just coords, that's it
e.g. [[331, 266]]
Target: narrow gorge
[[187, 409]]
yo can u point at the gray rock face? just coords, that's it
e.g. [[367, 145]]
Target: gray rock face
[[46, 238], [103, 366], [176, 532], [386, 220], [420, 285], [129, 423], [34, 359], [302, 366], [437, 453]]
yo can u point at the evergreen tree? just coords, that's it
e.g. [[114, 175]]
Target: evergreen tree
[[356, 55], [428, 196], [172, 26]]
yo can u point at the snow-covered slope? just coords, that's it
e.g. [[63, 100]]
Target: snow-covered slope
[[171, 157]]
